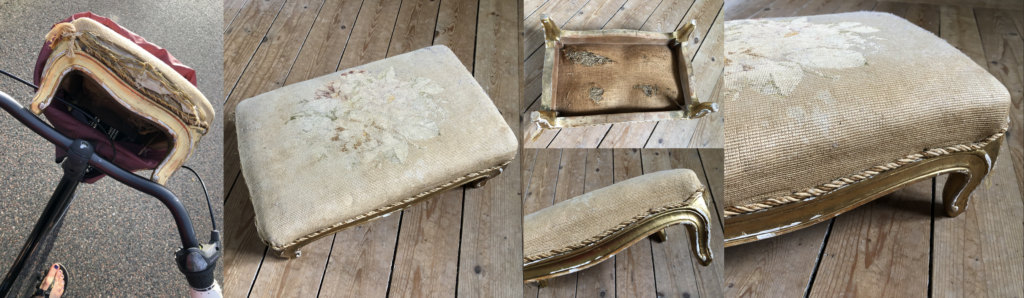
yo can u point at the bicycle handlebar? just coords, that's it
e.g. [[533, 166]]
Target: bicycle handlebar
[[181, 217]]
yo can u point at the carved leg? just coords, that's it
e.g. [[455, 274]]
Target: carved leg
[[957, 192], [660, 236], [960, 185], [698, 226]]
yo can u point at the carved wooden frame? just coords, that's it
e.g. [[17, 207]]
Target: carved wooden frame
[[966, 171], [693, 215]]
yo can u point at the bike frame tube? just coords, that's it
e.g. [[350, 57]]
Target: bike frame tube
[[45, 228], [178, 212]]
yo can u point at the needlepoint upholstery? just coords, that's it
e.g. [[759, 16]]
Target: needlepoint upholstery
[[572, 222], [820, 99], [359, 142]]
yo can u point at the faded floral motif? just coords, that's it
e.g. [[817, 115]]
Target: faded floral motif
[[772, 57], [369, 119]]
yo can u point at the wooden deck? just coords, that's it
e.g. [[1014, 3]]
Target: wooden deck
[[646, 269], [658, 16], [903, 245], [426, 251]]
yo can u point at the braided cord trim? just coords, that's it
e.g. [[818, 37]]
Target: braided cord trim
[[609, 232], [387, 209], [810, 193]]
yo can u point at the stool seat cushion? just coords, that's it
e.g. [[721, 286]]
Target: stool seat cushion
[[574, 222], [356, 143], [815, 102]]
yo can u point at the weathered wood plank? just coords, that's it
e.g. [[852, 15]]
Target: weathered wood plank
[[599, 280], [978, 254], [634, 266], [371, 34], [737, 10], [1004, 50], [426, 258], [490, 260], [360, 262], [580, 137], [776, 267], [241, 39], [879, 249], [570, 183], [428, 248], [896, 8], [925, 16], [456, 29], [857, 5], [996, 4], [960, 29], [560, 12], [674, 271], [268, 69], [231, 9], [243, 249]]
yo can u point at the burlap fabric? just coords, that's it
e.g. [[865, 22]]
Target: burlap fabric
[[576, 220], [326, 151], [814, 99]]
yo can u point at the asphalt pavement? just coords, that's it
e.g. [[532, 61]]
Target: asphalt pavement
[[116, 241]]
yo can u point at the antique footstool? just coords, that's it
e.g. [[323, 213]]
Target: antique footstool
[[829, 112], [131, 93], [583, 231], [346, 148], [616, 76]]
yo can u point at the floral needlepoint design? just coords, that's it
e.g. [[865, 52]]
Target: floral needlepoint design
[[771, 57], [367, 119]]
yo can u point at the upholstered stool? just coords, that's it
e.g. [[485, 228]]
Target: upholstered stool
[[616, 76], [343, 149], [583, 231], [829, 112], [156, 115]]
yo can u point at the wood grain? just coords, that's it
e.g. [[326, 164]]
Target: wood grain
[[776, 267], [675, 272], [978, 254], [997, 4], [599, 280], [879, 249], [243, 249], [634, 266], [428, 248], [1004, 50], [491, 252], [243, 37]]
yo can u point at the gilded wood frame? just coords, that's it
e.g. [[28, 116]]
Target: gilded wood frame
[[473, 181], [547, 117], [693, 215], [966, 171]]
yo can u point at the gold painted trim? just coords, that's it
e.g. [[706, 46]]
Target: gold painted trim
[[63, 61], [693, 215], [966, 171], [547, 118], [474, 180]]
